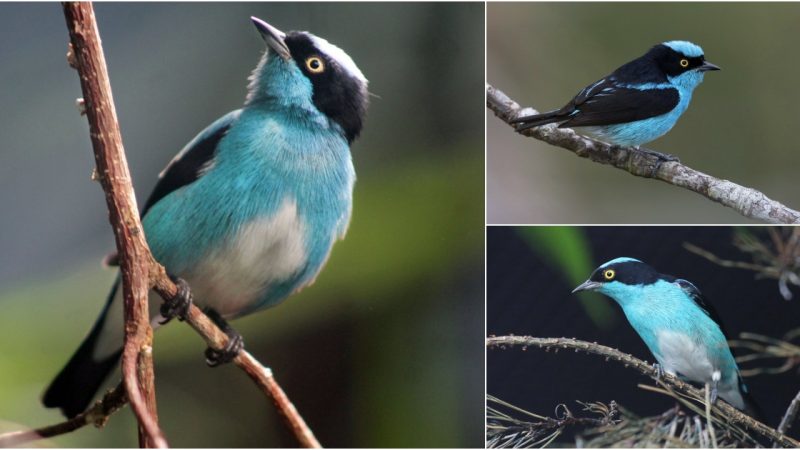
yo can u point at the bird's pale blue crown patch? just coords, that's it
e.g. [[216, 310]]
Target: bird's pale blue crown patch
[[619, 260], [686, 48]]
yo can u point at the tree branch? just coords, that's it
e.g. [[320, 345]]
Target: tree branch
[[115, 178], [746, 201], [720, 407], [96, 415], [115, 399], [261, 376]]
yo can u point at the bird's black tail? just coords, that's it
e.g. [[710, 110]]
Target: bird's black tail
[[750, 406], [75, 386], [537, 120]]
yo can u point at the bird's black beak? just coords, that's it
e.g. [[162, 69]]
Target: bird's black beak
[[588, 285], [273, 37], [708, 66]]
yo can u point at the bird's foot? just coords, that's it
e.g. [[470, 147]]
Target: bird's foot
[[715, 377], [235, 343], [714, 394], [662, 157], [659, 371], [178, 305]]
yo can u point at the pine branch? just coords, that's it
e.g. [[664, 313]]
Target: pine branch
[[746, 201], [720, 408]]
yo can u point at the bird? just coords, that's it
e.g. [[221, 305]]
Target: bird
[[638, 102], [247, 212], [678, 325]]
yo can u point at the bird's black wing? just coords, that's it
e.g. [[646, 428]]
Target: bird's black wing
[[186, 167], [566, 111], [192, 161], [695, 294], [751, 406], [607, 103]]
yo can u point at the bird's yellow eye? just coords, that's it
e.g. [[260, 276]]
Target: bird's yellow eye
[[314, 64], [609, 274], [684, 63]]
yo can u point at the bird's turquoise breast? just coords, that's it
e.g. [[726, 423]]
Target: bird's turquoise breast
[[644, 131], [280, 187], [663, 309]]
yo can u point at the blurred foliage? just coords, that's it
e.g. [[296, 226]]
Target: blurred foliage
[[385, 350], [542, 53], [568, 249]]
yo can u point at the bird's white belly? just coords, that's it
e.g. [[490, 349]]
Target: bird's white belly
[[678, 353], [233, 276], [264, 251]]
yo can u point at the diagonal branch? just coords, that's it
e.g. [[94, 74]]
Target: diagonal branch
[[115, 399], [719, 407], [746, 201], [96, 415]]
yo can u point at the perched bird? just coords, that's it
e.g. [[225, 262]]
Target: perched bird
[[248, 211], [677, 324], [639, 102]]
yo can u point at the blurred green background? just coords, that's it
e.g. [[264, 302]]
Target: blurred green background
[[740, 125], [385, 350]]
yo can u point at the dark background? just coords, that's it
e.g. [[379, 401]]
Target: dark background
[[529, 294], [385, 350]]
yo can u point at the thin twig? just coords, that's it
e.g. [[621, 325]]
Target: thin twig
[[791, 412], [729, 263], [96, 415], [721, 407], [505, 431], [261, 376], [765, 347], [746, 201], [134, 255], [780, 264], [709, 422], [215, 338]]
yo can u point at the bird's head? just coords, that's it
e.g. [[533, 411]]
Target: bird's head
[[301, 71], [682, 62], [621, 279]]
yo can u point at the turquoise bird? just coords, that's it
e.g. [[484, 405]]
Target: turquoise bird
[[247, 213], [677, 324]]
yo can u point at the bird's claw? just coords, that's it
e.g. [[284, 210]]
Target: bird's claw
[[178, 305], [714, 383], [662, 157], [232, 349], [659, 371], [216, 357], [713, 395]]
